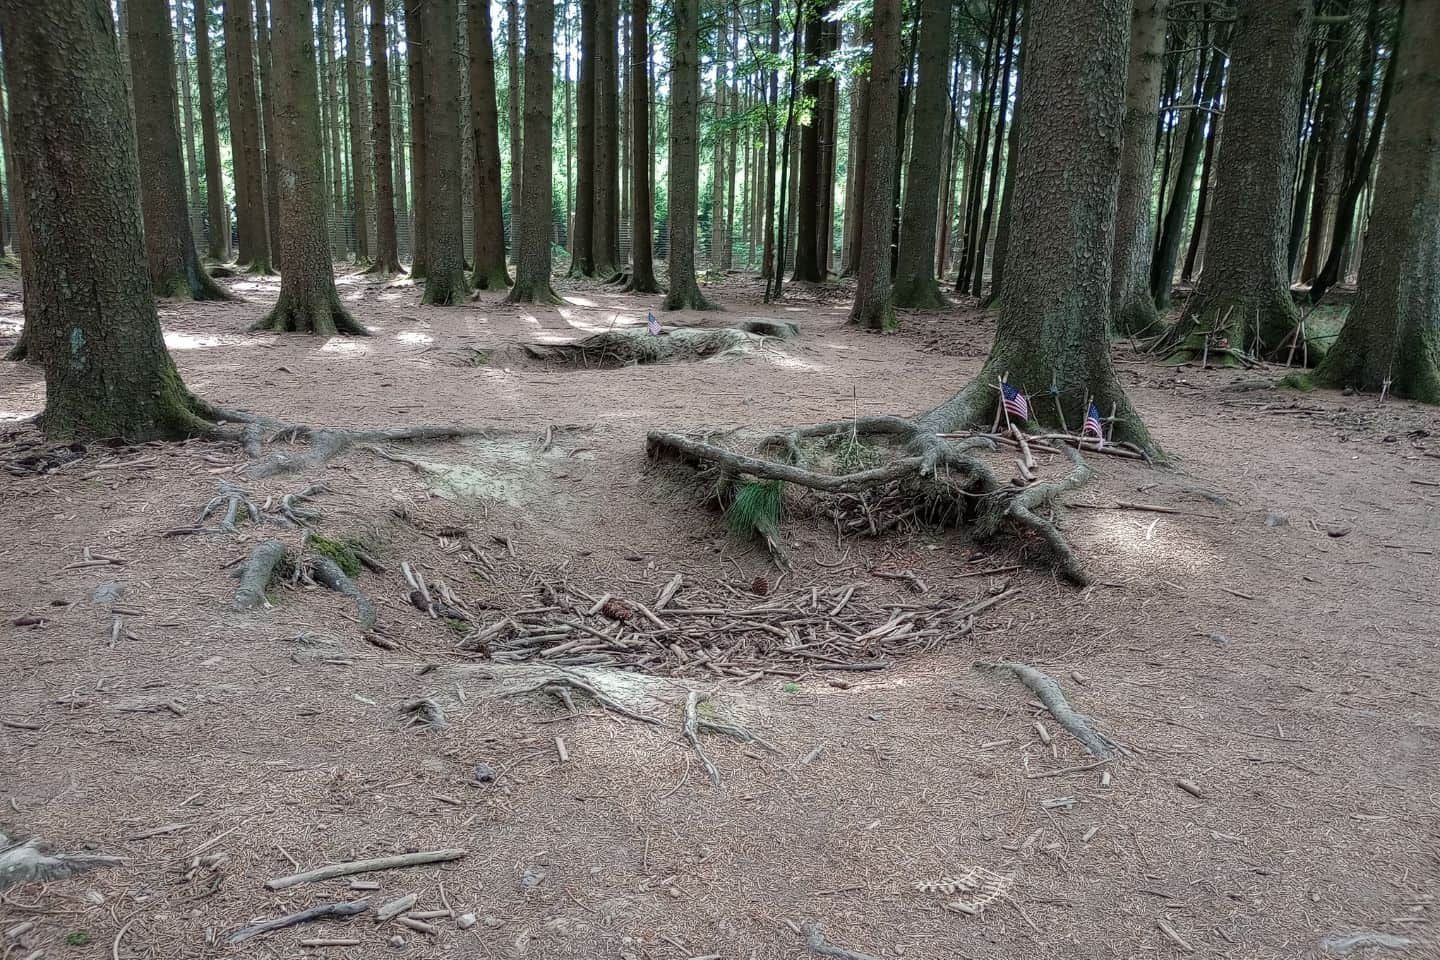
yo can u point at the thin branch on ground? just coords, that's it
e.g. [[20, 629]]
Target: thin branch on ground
[[1050, 694]]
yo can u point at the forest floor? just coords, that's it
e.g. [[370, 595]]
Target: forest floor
[[1264, 642]]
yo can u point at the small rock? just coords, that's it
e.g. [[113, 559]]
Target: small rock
[[1277, 520], [108, 592], [492, 922], [484, 773], [531, 878], [397, 941], [465, 921], [1339, 531], [675, 892], [1220, 639]]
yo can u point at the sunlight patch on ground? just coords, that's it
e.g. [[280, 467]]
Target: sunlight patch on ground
[[414, 336], [580, 301], [347, 347], [791, 363], [176, 340], [1160, 543]]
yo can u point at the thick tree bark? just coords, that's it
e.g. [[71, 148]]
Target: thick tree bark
[[490, 270], [174, 267], [267, 116], [308, 300], [245, 136], [445, 281], [605, 220], [387, 255], [1051, 337], [582, 259], [419, 153], [359, 159], [193, 202], [1243, 300], [217, 235], [872, 308], [532, 268], [684, 293], [1132, 308], [642, 214], [107, 372], [1391, 337], [915, 284], [514, 100]]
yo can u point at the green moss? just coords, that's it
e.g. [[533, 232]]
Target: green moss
[[1303, 382], [77, 938], [342, 552]]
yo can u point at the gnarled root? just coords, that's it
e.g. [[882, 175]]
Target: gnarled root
[[327, 444], [327, 573], [28, 863], [255, 576], [636, 345], [1050, 694]]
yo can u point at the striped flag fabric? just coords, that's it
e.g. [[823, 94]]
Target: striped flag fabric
[[652, 324], [1093, 427], [1015, 403]]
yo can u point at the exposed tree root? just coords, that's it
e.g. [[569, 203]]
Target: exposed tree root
[[327, 573], [323, 316], [692, 734], [560, 687], [28, 863], [425, 712], [624, 347], [327, 444], [1050, 694], [257, 573], [291, 511], [815, 940], [233, 499]]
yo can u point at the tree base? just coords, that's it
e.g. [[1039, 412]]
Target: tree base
[[1136, 317], [691, 299], [525, 291], [879, 317], [918, 293], [386, 268], [442, 293], [327, 318], [495, 278], [1249, 326], [642, 284]]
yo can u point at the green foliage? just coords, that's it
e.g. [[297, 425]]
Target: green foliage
[[342, 552], [77, 938], [756, 510], [853, 454], [1301, 381]]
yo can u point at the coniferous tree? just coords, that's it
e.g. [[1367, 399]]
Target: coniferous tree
[[642, 216], [359, 159], [915, 284], [683, 195], [387, 254], [1132, 308], [267, 119], [872, 307], [445, 281], [490, 270], [244, 112], [532, 266], [419, 152]]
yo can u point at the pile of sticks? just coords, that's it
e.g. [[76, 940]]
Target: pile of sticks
[[728, 636]]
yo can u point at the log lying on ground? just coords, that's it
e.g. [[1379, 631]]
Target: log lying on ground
[[636, 345], [27, 862], [1050, 694]]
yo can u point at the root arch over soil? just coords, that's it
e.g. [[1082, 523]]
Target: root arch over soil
[[632, 346], [918, 461]]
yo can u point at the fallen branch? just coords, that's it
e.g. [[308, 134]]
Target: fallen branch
[[1050, 694], [815, 940], [323, 911], [366, 866]]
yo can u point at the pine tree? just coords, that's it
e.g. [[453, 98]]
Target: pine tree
[[684, 186], [1133, 309], [872, 307], [245, 136], [387, 254], [532, 266], [642, 216], [490, 270], [915, 284], [445, 281]]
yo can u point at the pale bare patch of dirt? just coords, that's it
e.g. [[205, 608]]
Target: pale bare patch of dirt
[[1270, 640]]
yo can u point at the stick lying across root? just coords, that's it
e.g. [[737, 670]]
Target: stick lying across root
[[1050, 694], [256, 574]]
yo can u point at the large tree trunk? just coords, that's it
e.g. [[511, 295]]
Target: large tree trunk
[[245, 136], [174, 267], [532, 267], [915, 284], [1392, 336], [1052, 334], [359, 161], [1243, 300], [308, 300], [193, 202], [772, 158], [1132, 308], [419, 153], [604, 225], [490, 270], [685, 159], [582, 260], [807, 190], [982, 236], [217, 234], [514, 100], [872, 307], [445, 281], [90, 307], [27, 348], [642, 214], [267, 115], [387, 255], [1007, 192]]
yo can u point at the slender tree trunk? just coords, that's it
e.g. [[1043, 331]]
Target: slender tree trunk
[[684, 292], [828, 111], [490, 270], [27, 348], [1202, 204], [245, 136], [445, 282], [89, 303], [772, 157], [217, 246], [717, 178], [387, 255], [1325, 143], [807, 187], [915, 284], [872, 308], [1133, 309], [604, 219], [532, 269], [308, 300], [330, 125], [975, 179], [854, 176], [419, 154], [582, 260], [514, 100], [983, 236], [642, 223], [192, 168], [267, 113], [1391, 338], [174, 267], [1244, 295], [1007, 193], [400, 139], [359, 162], [1051, 336]]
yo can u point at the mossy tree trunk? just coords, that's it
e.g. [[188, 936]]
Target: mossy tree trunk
[[642, 214], [1132, 308], [308, 300], [107, 372], [1051, 337], [387, 254], [445, 281], [1243, 301], [1392, 334], [915, 283], [684, 293], [532, 267], [872, 308], [245, 136], [267, 117], [419, 152], [174, 267], [490, 270]]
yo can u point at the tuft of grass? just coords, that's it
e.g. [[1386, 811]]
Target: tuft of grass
[[77, 938], [853, 454], [756, 510], [341, 552]]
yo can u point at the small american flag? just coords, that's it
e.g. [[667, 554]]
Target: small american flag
[[1015, 403], [652, 324], [1093, 427]]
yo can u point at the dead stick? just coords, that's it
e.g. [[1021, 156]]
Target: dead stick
[[366, 866]]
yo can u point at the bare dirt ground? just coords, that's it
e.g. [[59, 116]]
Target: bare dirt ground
[[1271, 641]]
